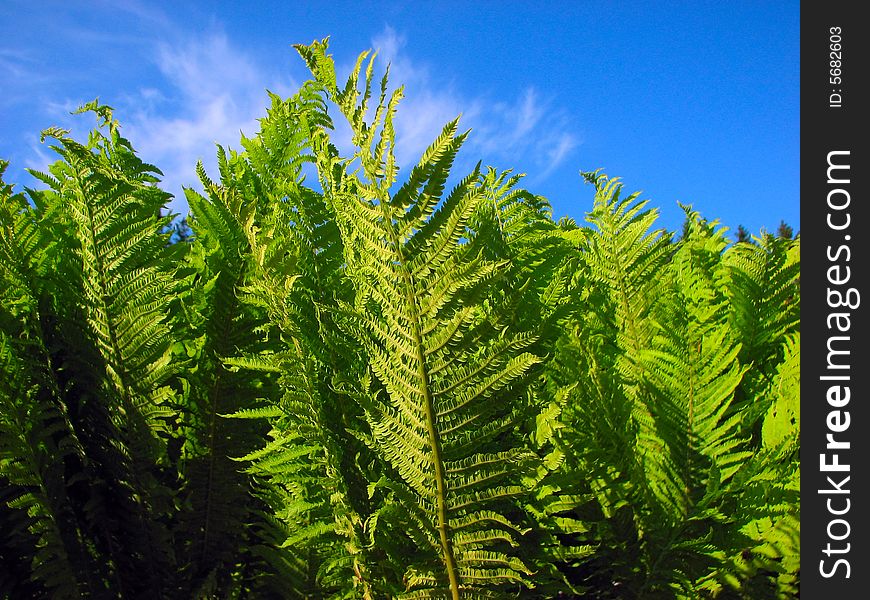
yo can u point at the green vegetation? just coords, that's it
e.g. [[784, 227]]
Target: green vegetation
[[375, 387]]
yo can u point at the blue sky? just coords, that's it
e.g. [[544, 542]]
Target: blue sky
[[693, 102]]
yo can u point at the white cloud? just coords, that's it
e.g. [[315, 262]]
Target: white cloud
[[426, 106], [215, 94], [210, 92], [12, 63], [39, 158], [527, 129], [213, 91], [20, 75], [564, 143]]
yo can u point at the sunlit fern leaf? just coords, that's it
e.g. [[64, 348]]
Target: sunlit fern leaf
[[765, 505], [783, 419], [692, 360], [519, 228], [445, 405], [283, 144], [308, 473], [691, 447], [770, 504], [625, 259], [764, 294], [300, 281], [621, 261]]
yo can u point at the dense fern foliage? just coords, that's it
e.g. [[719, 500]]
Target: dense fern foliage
[[353, 381]]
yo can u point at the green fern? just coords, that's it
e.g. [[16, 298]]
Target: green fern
[[655, 421], [446, 382], [35, 435], [358, 382], [764, 299], [106, 203], [220, 324], [307, 474]]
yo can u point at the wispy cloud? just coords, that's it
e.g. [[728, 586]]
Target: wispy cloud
[[20, 75], [210, 91], [526, 129], [214, 93], [12, 62], [427, 106], [144, 12]]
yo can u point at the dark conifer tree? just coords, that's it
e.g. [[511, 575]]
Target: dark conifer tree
[[785, 231]]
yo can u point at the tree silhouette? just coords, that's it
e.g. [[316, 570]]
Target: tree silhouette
[[785, 231]]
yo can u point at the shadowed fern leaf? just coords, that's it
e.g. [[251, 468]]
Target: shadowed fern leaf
[[121, 364], [35, 434]]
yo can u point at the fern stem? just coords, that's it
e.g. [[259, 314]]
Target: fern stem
[[431, 428], [435, 442]]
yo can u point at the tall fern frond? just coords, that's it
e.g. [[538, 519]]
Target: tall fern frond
[[36, 438], [34, 443], [449, 386], [220, 324], [308, 474], [688, 444], [121, 364], [624, 254]]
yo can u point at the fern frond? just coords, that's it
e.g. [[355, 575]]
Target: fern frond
[[444, 399], [764, 295], [106, 200], [624, 255], [39, 446]]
